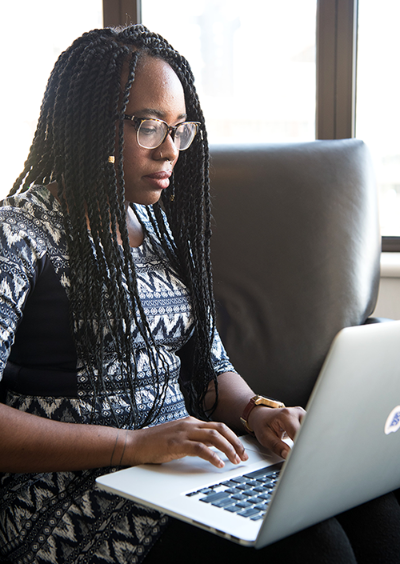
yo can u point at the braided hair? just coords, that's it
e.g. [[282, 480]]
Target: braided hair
[[80, 125]]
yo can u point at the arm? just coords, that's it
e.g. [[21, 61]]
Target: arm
[[29, 443], [269, 424]]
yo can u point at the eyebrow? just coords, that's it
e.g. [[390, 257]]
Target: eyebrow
[[148, 112]]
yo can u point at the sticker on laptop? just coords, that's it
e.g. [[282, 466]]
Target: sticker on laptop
[[393, 421]]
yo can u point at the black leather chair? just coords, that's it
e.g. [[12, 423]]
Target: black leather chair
[[295, 252]]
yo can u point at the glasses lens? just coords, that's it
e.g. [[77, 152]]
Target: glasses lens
[[151, 133], [184, 135]]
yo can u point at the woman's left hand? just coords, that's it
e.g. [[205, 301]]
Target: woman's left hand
[[271, 425]]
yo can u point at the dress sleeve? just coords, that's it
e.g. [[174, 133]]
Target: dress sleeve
[[18, 258], [219, 356]]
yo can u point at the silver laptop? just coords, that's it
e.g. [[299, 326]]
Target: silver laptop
[[346, 452]]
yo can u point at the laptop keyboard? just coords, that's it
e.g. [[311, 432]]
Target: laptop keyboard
[[247, 495]]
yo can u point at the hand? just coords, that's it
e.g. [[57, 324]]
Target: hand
[[184, 437], [272, 424]]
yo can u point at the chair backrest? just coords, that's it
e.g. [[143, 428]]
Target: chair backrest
[[295, 251]]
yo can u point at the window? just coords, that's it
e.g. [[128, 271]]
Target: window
[[255, 70], [378, 95], [255, 79], [33, 34]]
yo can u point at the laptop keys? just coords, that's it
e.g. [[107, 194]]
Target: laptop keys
[[249, 512], [246, 495], [212, 498]]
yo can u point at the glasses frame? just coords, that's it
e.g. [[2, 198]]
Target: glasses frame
[[171, 129]]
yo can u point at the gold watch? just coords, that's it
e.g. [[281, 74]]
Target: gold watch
[[257, 400]]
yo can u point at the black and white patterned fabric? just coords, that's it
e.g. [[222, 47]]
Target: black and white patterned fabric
[[61, 517]]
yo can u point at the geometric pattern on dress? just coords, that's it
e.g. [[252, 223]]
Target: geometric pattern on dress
[[62, 517]]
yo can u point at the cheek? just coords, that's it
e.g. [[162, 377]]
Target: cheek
[[130, 148], [133, 158]]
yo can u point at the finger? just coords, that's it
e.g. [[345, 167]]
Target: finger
[[233, 439], [276, 444], [222, 439], [201, 450], [191, 432], [287, 421]]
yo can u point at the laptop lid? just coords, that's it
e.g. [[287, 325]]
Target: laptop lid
[[346, 452]]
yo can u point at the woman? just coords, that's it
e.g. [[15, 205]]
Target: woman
[[108, 336]]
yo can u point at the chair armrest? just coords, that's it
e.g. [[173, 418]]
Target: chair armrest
[[370, 320]]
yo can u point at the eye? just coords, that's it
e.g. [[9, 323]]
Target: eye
[[182, 130], [150, 127], [151, 130]]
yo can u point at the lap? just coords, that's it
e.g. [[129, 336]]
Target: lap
[[374, 530], [322, 543], [366, 534]]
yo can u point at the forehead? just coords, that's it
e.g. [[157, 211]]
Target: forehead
[[156, 86]]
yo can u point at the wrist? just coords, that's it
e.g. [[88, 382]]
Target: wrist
[[255, 402], [118, 453]]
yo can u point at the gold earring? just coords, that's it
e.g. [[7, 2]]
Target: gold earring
[[111, 159], [172, 195]]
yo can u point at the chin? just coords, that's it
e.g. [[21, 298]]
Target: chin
[[144, 199]]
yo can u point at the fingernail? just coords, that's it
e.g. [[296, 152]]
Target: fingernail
[[284, 454]]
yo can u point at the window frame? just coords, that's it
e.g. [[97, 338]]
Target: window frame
[[336, 46], [337, 23], [121, 12]]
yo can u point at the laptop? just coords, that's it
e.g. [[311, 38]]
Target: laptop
[[346, 452]]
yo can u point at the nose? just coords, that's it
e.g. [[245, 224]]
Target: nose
[[168, 150]]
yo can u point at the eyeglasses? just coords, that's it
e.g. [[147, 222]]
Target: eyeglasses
[[151, 132]]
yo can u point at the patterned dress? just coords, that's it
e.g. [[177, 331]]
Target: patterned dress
[[61, 517]]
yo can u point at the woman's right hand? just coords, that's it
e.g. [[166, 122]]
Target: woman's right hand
[[183, 437], [29, 443]]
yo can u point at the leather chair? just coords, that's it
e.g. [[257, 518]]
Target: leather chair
[[295, 251]]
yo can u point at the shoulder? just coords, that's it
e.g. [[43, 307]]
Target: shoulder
[[36, 201], [30, 220]]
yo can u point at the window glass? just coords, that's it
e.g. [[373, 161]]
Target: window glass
[[254, 63], [33, 34], [378, 95]]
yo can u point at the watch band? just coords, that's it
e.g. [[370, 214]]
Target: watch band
[[254, 401]]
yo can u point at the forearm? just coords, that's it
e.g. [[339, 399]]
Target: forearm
[[34, 444], [233, 396]]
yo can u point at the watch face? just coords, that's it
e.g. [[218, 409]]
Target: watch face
[[261, 400]]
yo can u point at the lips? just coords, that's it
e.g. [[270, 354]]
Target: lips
[[159, 179]]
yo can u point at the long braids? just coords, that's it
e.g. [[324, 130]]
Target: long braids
[[81, 117]]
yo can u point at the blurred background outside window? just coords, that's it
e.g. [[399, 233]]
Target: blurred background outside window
[[378, 101], [254, 64], [34, 33]]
